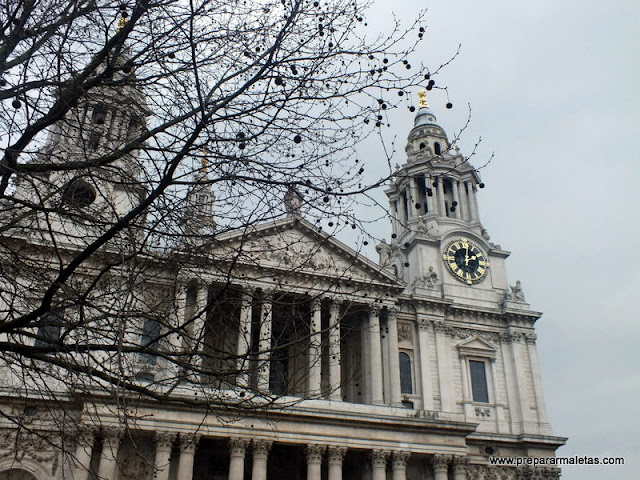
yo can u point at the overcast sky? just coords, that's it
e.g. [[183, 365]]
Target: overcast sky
[[553, 85]]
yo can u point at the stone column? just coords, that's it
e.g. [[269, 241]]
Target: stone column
[[197, 329], [314, 365], [264, 342], [415, 197], [260, 454], [456, 198], [335, 389], [474, 203], [394, 359], [164, 443], [441, 467], [460, 467], [440, 192], [109, 456], [379, 464], [84, 449], [537, 379], [462, 204], [403, 211], [188, 445], [237, 450], [375, 357], [427, 198], [443, 355], [314, 461], [399, 464], [394, 216], [244, 337], [336, 457]]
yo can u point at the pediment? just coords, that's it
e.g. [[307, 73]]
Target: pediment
[[296, 247], [476, 346]]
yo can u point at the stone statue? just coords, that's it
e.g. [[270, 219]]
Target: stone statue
[[292, 201], [516, 294], [432, 278]]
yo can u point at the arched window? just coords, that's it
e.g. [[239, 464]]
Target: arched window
[[437, 149], [16, 474], [406, 382]]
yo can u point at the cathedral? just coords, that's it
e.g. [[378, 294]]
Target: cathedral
[[279, 352]]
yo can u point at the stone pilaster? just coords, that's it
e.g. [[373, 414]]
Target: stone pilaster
[[244, 337], [335, 391], [394, 360], [264, 342], [313, 359], [375, 357], [237, 451]]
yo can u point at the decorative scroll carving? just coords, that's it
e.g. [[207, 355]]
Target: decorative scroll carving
[[261, 448], [189, 442], [336, 454], [314, 452], [483, 412], [441, 462], [36, 446], [531, 338], [238, 446], [164, 440], [400, 459], [495, 472], [379, 458]]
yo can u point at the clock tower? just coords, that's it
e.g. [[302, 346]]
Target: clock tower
[[438, 239]]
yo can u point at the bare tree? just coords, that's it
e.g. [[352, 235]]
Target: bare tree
[[145, 147]]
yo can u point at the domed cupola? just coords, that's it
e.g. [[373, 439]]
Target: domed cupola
[[427, 139]]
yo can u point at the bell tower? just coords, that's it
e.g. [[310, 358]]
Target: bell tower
[[90, 175], [439, 246]]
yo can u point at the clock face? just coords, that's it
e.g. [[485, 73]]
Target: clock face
[[466, 261]]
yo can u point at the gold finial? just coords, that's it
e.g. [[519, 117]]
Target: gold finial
[[122, 22], [423, 98], [205, 160]]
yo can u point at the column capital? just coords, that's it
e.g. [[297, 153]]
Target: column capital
[[261, 448], [375, 309], [86, 433], [112, 433], [379, 458], [400, 458], [164, 440], [314, 452], [441, 462], [459, 462], [392, 311], [189, 442], [336, 453], [335, 305], [238, 446], [316, 304]]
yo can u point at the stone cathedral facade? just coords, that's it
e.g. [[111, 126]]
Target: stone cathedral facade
[[421, 366]]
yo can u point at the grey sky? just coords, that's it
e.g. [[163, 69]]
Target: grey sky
[[554, 90]]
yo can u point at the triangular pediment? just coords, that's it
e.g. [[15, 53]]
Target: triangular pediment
[[475, 346], [295, 246]]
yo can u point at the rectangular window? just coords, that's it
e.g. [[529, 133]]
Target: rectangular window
[[49, 329], [479, 381], [149, 340]]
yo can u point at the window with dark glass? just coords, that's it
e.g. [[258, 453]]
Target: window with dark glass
[[406, 383], [149, 341], [437, 148], [49, 329], [479, 388]]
